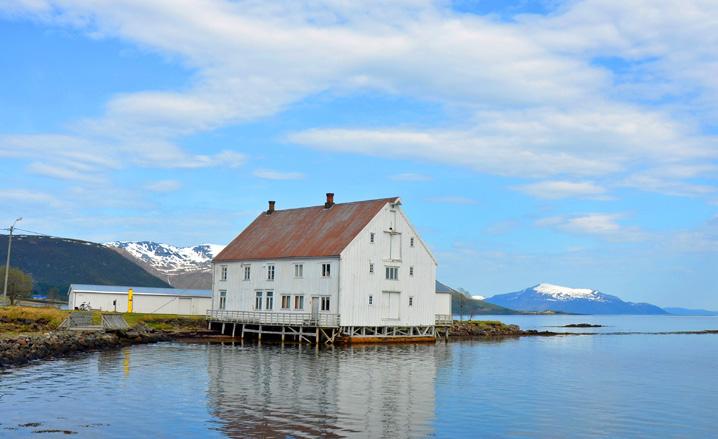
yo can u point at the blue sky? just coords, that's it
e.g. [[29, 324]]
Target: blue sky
[[565, 142]]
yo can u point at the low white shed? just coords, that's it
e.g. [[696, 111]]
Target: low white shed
[[145, 299]]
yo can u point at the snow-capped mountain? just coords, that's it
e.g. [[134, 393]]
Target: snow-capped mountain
[[169, 259], [545, 297]]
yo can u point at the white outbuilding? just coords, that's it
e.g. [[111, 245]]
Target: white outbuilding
[[144, 299], [356, 270]]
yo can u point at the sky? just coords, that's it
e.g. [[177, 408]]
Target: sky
[[569, 142]]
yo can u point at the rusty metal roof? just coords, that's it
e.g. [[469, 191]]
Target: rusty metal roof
[[304, 232]]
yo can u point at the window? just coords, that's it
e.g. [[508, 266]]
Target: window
[[298, 302], [392, 273], [371, 237], [325, 303], [371, 300], [270, 300], [222, 299], [246, 272], [411, 301], [223, 271], [326, 270], [286, 301], [258, 301], [270, 272], [411, 271], [411, 242], [298, 270], [371, 267]]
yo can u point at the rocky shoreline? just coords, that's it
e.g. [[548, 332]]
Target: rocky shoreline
[[24, 349], [488, 329]]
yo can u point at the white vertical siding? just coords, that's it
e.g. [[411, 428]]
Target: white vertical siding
[[241, 293], [357, 283], [142, 303], [443, 303]]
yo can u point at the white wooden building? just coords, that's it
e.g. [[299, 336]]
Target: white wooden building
[[145, 299], [359, 268]]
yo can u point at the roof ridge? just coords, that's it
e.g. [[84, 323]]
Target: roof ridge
[[336, 204]]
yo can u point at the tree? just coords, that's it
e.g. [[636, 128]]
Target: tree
[[19, 283], [53, 293]]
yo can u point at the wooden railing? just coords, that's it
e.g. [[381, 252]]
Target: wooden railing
[[444, 320], [274, 318]]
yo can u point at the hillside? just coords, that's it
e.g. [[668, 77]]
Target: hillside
[[545, 297], [58, 262]]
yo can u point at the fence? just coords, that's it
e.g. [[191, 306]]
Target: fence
[[274, 318]]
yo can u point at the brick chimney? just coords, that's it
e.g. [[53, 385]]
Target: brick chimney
[[330, 200], [271, 208]]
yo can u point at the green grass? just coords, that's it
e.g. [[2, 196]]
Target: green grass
[[27, 319], [16, 320]]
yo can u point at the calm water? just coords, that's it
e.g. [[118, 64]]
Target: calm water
[[540, 387]]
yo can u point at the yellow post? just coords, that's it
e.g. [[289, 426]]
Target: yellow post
[[129, 300]]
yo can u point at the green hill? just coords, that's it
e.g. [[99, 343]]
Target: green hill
[[461, 304], [55, 263]]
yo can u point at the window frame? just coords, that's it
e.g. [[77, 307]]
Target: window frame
[[411, 301], [411, 242], [222, 299], [371, 299], [325, 304], [269, 300], [371, 268], [223, 272], [247, 272], [326, 269], [298, 271], [411, 271], [258, 299], [391, 272], [299, 299], [288, 299], [372, 238], [271, 272]]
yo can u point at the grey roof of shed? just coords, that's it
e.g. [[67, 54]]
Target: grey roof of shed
[[122, 289], [445, 289]]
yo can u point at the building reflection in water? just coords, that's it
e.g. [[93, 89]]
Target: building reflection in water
[[302, 391]]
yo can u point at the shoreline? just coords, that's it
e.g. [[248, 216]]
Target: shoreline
[[19, 350]]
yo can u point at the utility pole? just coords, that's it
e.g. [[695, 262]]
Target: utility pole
[[7, 261]]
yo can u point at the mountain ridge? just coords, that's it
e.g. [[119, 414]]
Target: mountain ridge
[[551, 297]]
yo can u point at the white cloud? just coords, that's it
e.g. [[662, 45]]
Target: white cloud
[[17, 199], [270, 174], [599, 224], [163, 186], [553, 190], [538, 100]]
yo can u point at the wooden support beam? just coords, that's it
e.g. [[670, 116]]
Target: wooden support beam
[[234, 329]]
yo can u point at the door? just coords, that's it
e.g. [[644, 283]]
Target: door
[[315, 308], [390, 305], [185, 306]]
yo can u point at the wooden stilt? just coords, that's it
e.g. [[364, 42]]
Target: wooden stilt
[[234, 329]]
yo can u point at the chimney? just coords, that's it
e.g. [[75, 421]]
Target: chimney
[[330, 200], [271, 208]]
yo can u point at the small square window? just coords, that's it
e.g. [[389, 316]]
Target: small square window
[[411, 242], [371, 300], [411, 271], [371, 267], [411, 301], [371, 237]]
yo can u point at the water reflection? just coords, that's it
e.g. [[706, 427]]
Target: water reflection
[[368, 391]]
